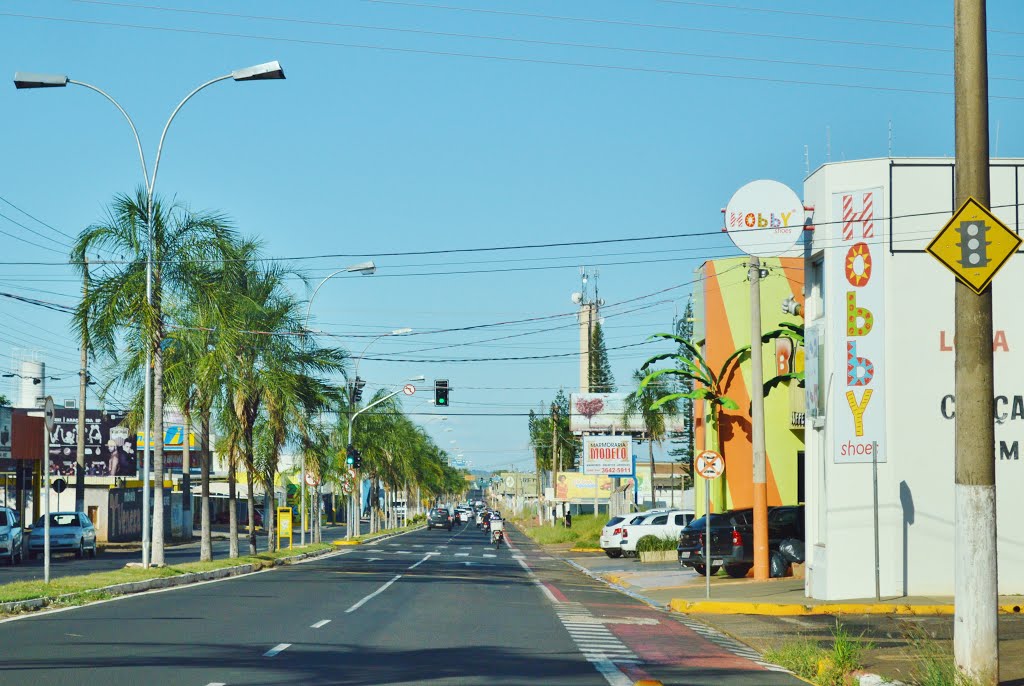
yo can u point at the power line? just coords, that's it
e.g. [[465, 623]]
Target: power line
[[531, 60], [669, 27], [526, 41], [36, 219]]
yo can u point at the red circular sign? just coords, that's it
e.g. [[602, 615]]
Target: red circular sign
[[709, 464]]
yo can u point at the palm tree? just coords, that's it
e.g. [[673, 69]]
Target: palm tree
[[692, 365], [179, 244], [641, 402]]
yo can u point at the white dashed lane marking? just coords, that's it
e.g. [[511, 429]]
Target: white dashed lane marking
[[322, 622], [279, 648]]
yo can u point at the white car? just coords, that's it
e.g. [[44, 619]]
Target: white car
[[611, 534], [659, 525]]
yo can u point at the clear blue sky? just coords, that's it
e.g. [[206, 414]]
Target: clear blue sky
[[391, 137]]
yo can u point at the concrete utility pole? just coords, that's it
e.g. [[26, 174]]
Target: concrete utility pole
[[83, 383], [757, 425], [975, 585]]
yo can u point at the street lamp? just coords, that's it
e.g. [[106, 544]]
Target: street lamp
[[366, 269], [28, 80]]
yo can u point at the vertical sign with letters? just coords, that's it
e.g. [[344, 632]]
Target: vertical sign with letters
[[858, 316]]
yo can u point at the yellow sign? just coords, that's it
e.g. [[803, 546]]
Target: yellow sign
[[284, 525], [576, 486], [974, 245]]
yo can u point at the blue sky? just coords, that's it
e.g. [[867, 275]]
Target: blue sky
[[389, 137]]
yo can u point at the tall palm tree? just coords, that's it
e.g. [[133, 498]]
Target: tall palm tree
[[179, 244], [641, 403]]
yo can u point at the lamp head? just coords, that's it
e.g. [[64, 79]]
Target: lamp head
[[259, 72], [364, 268], [25, 79]]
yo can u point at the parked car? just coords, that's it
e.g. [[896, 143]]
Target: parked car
[[665, 524], [732, 538], [224, 518], [70, 532], [10, 536], [611, 534], [440, 518]]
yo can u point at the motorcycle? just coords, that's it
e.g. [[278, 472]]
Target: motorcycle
[[497, 534]]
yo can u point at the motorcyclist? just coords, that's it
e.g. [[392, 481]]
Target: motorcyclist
[[497, 529], [487, 521]]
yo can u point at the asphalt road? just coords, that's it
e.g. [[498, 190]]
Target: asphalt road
[[429, 607], [66, 564]]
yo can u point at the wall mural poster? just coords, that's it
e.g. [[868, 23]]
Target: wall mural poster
[[858, 315]]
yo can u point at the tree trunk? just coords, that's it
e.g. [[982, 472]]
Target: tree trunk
[[232, 505], [157, 555], [269, 509], [186, 475], [650, 448], [205, 538], [250, 479]]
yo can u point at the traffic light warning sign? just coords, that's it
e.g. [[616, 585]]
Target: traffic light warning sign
[[974, 245]]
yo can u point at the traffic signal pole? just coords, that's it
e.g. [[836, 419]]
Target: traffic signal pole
[[975, 584]]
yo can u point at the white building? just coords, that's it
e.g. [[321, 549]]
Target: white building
[[886, 376]]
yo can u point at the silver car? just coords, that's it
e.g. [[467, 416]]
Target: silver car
[[10, 536], [70, 532]]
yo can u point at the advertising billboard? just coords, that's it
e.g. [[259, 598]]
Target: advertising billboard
[[608, 455], [109, 450], [574, 486], [603, 413]]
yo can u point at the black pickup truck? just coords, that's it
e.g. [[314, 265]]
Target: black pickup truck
[[732, 538]]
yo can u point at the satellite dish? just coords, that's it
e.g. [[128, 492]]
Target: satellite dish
[[577, 298]]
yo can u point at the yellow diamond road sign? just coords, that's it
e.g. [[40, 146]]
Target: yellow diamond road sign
[[974, 245]]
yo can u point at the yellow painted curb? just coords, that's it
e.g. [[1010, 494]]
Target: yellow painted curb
[[586, 550], [615, 579], [712, 607], [347, 542]]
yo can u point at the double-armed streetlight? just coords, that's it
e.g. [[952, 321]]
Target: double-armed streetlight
[[366, 269], [259, 72]]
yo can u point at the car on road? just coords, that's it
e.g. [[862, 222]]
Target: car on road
[[665, 524], [732, 538], [611, 534], [70, 532], [10, 536], [440, 518], [464, 515]]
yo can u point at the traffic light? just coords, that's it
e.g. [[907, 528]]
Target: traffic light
[[350, 455], [973, 246], [356, 390], [358, 464], [441, 392]]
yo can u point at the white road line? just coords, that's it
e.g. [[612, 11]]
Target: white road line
[[373, 595], [489, 555], [279, 648], [546, 591], [322, 622], [425, 558], [216, 683], [461, 554]]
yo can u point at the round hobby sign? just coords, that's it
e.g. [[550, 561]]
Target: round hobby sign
[[764, 218]]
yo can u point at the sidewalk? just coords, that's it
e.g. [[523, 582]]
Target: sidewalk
[[767, 615]]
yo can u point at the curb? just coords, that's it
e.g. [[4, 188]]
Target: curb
[[711, 607], [130, 587], [586, 550]]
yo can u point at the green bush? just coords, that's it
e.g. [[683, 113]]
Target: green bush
[[649, 544], [825, 667], [418, 518]]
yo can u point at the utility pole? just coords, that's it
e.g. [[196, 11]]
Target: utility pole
[[975, 584], [83, 383], [555, 456], [757, 425]]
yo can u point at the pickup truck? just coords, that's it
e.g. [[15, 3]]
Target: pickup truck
[[658, 525], [732, 538]]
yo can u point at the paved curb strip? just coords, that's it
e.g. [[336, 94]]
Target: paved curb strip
[[374, 539], [151, 584], [711, 607], [586, 550]]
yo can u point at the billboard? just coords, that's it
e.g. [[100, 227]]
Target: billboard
[[581, 487], [608, 455], [603, 413], [858, 255], [108, 449]]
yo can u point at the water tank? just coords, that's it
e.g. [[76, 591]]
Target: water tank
[[31, 393]]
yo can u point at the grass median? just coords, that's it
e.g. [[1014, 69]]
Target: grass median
[[87, 586], [585, 531]]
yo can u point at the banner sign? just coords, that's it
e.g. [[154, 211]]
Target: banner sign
[[608, 455], [858, 316]]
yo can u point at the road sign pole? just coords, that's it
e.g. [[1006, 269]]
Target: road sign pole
[[760, 472], [707, 538], [975, 586], [49, 412]]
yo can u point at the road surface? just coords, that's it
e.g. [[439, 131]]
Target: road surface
[[428, 607]]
